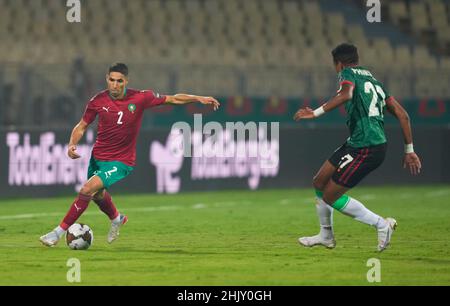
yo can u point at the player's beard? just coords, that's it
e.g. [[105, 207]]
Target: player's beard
[[115, 93]]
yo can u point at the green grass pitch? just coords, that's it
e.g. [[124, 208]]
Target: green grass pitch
[[231, 238]]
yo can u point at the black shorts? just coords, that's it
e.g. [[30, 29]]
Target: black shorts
[[353, 164]]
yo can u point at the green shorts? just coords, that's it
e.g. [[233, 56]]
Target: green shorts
[[110, 172]]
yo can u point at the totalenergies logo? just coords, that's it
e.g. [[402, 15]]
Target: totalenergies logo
[[46, 162]]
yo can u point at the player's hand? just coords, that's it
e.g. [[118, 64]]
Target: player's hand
[[412, 161], [304, 113], [72, 152], [209, 101]]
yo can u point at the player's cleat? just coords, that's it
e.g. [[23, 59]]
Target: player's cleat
[[50, 239], [114, 231], [385, 234], [317, 240]]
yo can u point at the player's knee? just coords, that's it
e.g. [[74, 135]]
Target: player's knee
[[329, 198], [87, 190], [318, 183], [98, 196]]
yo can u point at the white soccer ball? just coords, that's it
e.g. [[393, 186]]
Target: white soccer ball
[[79, 237]]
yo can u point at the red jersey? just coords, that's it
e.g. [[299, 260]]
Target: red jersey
[[119, 123]]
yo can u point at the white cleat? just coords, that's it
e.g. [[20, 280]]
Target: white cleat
[[114, 231], [50, 239], [385, 234], [317, 240]]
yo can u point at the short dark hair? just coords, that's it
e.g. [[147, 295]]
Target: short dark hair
[[347, 54], [119, 67]]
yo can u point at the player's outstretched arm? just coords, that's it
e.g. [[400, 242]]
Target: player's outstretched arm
[[77, 133], [410, 160], [181, 99], [344, 95]]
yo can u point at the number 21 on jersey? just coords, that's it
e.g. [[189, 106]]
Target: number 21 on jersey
[[378, 95]]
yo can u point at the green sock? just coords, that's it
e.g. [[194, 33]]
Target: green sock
[[339, 204]]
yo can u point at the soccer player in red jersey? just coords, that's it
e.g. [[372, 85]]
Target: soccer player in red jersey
[[120, 112]]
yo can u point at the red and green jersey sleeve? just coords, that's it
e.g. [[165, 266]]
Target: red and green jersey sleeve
[[152, 99], [346, 77]]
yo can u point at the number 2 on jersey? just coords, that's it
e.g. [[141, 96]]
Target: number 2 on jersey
[[119, 121], [374, 109]]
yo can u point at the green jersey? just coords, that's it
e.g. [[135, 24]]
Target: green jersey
[[365, 111]]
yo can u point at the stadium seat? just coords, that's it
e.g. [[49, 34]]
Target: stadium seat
[[243, 35]]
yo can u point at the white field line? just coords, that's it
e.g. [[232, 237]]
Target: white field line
[[297, 201], [405, 196], [143, 209], [286, 201], [438, 193], [368, 197], [29, 216]]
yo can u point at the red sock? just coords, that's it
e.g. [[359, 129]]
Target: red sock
[[107, 206], [76, 210]]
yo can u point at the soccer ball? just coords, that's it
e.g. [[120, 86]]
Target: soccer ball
[[79, 237]]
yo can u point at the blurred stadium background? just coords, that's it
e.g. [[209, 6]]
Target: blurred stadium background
[[262, 58]]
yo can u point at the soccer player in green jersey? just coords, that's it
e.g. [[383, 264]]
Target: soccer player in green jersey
[[365, 99]]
